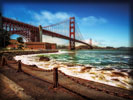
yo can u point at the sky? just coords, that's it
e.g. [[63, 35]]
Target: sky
[[107, 24]]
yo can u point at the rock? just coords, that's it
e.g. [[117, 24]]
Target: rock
[[115, 79], [117, 74], [34, 66], [130, 73], [70, 65], [44, 59], [85, 68], [107, 69]]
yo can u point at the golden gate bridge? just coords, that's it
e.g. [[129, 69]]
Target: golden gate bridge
[[67, 30]]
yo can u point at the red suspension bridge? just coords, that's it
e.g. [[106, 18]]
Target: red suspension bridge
[[67, 30]]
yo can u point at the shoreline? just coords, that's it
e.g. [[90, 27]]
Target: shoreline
[[113, 77], [103, 88]]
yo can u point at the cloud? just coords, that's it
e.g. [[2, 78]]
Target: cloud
[[45, 17], [92, 20]]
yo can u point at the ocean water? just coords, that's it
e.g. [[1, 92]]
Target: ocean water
[[97, 58], [112, 67]]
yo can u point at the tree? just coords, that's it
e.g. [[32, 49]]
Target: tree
[[4, 38], [20, 40], [20, 46]]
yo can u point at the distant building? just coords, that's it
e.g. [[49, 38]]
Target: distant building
[[40, 45], [53, 46], [13, 44]]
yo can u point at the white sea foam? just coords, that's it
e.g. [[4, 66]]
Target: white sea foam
[[112, 77]]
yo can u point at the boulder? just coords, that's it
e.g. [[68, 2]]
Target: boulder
[[117, 74], [33, 66], [70, 65], [44, 59], [85, 69]]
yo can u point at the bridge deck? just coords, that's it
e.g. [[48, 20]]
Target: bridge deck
[[14, 24]]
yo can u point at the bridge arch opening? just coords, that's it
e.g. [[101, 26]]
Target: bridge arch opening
[[15, 36]]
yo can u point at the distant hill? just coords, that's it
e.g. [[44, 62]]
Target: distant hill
[[82, 47], [94, 47], [85, 47], [107, 47], [125, 48]]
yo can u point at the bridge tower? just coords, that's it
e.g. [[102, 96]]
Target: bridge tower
[[72, 33], [40, 31]]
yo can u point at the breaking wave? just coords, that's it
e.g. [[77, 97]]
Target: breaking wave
[[108, 67]]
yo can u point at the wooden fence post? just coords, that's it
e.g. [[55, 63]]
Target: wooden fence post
[[3, 61], [55, 77], [19, 66]]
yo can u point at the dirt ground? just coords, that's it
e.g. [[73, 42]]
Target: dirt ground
[[38, 89], [6, 93]]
